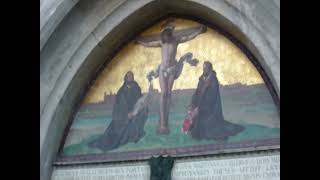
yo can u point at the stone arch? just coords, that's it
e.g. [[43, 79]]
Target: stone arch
[[93, 31]]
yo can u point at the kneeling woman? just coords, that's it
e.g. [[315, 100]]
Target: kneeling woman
[[124, 127]]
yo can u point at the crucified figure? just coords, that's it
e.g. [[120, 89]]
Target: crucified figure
[[168, 40]]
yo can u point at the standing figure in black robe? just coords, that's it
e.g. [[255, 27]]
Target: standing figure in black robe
[[208, 122], [125, 127]]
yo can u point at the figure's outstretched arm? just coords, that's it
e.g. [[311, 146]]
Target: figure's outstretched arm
[[191, 34], [148, 42]]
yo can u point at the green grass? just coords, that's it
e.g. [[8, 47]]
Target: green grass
[[246, 107], [175, 139]]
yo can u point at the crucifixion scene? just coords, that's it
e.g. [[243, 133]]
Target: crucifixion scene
[[169, 69], [179, 88]]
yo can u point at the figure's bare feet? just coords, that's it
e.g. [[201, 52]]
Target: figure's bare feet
[[163, 131]]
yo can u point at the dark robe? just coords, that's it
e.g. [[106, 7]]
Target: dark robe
[[210, 123], [121, 129]]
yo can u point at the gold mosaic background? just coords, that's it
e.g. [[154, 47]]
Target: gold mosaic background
[[230, 63]]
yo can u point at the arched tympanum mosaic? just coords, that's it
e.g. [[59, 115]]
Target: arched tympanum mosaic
[[180, 88]]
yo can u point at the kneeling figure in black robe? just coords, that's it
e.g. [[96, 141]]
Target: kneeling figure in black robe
[[124, 127], [209, 122]]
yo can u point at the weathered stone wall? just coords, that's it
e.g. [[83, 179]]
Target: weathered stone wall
[[52, 12], [77, 37]]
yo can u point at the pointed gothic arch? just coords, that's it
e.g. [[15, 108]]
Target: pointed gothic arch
[[90, 34]]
